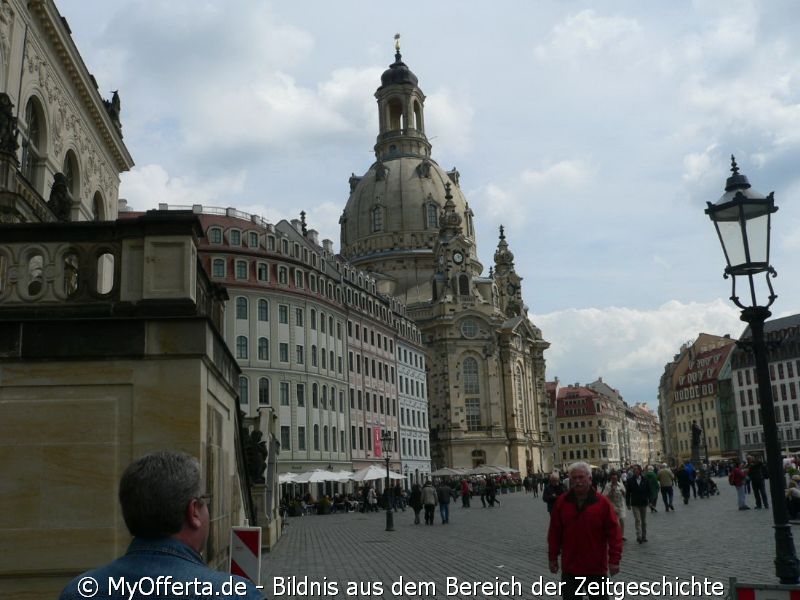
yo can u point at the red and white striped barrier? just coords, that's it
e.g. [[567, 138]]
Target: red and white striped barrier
[[246, 553]]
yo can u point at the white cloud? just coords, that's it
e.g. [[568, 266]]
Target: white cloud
[[148, 186], [586, 33], [448, 122], [626, 344]]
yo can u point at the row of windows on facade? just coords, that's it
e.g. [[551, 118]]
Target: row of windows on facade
[[576, 425], [685, 445], [686, 426], [374, 338], [32, 157], [578, 454], [253, 239], [383, 373], [776, 371], [263, 354], [784, 435], [373, 402], [411, 448], [780, 393], [237, 237], [303, 280], [781, 415]]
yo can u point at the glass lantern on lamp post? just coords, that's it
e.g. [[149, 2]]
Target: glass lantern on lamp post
[[742, 220], [387, 444]]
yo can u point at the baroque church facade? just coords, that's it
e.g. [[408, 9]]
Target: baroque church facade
[[409, 225]]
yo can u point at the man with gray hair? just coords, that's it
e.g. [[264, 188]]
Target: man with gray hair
[[168, 515], [585, 532]]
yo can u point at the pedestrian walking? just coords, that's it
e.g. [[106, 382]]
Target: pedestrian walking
[[652, 487], [491, 492], [666, 481], [428, 501], [415, 501], [684, 485], [584, 531], [444, 494], [615, 492], [553, 490], [637, 498], [465, 493], [692, 477]]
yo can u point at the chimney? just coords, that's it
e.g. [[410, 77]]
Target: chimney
[[327, 245], [313, 236], [298, 225]]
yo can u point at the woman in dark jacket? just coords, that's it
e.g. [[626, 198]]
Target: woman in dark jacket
[[415, 501]]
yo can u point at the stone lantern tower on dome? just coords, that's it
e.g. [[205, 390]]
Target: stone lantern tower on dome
[[391, 220]]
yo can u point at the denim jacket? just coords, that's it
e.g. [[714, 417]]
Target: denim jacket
[[163, 568]]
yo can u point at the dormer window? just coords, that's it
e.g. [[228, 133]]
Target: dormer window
[[215, 235], [377, 219], [235, 237], [252, 239], [431, 215]]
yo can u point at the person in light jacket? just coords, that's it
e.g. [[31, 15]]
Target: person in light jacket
[[429, 501]]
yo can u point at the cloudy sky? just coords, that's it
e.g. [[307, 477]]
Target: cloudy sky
[[594, 131]]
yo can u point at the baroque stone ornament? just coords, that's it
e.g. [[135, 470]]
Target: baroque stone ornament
[[60, 201], [8, 126]]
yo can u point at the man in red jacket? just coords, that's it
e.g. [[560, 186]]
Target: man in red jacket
[[585, 531]]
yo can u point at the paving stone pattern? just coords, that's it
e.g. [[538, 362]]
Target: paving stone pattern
[[708, 538]]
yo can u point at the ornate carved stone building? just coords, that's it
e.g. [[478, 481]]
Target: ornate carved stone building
[[408, 223], [61, 148]]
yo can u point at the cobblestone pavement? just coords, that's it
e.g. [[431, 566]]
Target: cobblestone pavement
[[708, 538]]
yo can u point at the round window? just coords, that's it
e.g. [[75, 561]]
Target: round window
[[469, 328]]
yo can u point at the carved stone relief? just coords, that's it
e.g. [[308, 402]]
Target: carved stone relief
[[67, 125]]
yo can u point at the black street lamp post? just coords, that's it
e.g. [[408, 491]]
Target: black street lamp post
[[742, 219], [387, 441]]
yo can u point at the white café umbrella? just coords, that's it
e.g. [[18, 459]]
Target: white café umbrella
[[373, 472], [448, 472], [315, 476], [287, 477]]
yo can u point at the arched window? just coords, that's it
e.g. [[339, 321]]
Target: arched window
[[32, 141], [244, 390], [241, 307], [395, 114], [241, 347], [263, 391], [263, 348], [263, 310], [98, 207], [315, 397], [70, 171], [215, 235], [316, 437], [472, 401], [325, 438], [519, 393]]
